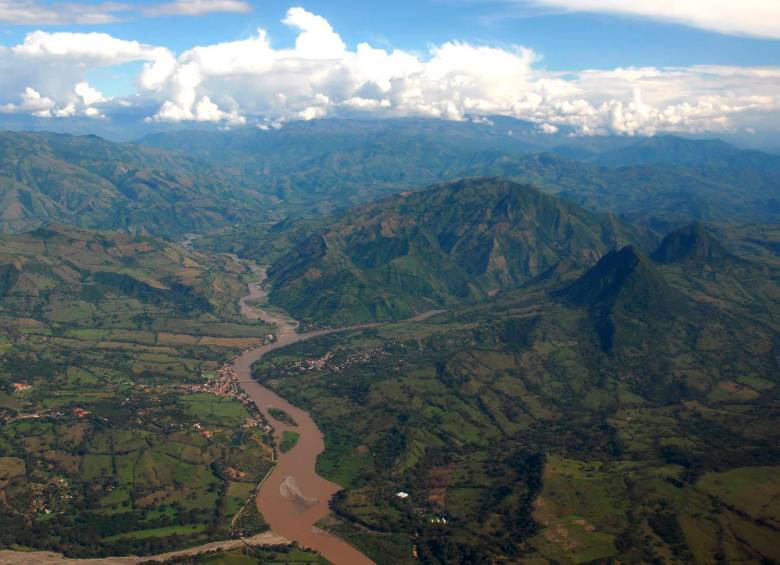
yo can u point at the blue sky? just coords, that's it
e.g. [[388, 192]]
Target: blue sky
[[562, 38], [571, 41]]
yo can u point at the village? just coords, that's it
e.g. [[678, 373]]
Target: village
[[327, 361], [225, 385]]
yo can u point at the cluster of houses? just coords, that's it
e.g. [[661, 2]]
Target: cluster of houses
[[223, 385], [320, 363]]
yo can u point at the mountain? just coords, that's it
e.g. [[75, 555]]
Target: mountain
[[622, 288], [461, 241], [53, 269], [89, 182], [326, 164], [627, 415], [661, 195], [674, 150], [691, 244]]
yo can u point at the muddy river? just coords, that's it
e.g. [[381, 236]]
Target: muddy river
[[293, 497]]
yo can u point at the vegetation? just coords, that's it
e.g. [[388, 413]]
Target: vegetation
[[198, 181], [283, 555], [105, 449], [458, 242], [624, 414], [586, 394], [282, 416], [288, 441]]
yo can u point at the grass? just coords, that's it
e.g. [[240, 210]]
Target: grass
[[754, 490], [213, 410], [185, 530], [288, 441], [282, 416]]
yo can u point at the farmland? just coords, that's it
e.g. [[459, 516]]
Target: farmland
[[105, 447]]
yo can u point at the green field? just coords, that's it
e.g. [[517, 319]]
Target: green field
[[288, 441]]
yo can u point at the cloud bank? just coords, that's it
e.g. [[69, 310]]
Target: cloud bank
[[758, 18], [252, 81], [34, 12]]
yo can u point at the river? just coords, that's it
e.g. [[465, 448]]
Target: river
[[293, 497]]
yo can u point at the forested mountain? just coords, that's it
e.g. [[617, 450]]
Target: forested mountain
[[92, 183], [210, 180], [461, 241], [628, 414]]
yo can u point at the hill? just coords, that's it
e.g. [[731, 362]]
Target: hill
[[462, 241], [662, 181], [92, 183], [519, 436]]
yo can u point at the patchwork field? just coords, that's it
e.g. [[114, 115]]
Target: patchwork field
[[113, 441]]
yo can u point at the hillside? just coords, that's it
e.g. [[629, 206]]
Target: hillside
[[212, 180], [455, 242], [520, 433], [663, 181], [92, 183]]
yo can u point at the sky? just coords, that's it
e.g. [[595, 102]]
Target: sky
[[625, 67]]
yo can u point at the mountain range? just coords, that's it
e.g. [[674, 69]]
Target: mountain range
[[184, 181], [461, 241]]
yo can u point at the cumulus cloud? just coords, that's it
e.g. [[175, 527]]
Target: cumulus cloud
[[321, 77], [253, 81], [55, 66], [758, 18]]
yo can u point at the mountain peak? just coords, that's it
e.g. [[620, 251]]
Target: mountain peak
[[604, 281], [623, 288], [690, 244]]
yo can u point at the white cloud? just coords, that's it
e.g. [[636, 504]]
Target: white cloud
[[88, 94], [321, 77], [758, 18], [35, 12], [31, 102], [196, 7], [87, 49], [252, 81], [32, 12], [56, 65]]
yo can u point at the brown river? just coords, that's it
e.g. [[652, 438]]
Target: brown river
[[293, 497]]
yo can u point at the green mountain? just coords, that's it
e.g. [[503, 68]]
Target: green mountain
[[520, 437], [208, 180], [691, 244], [622, 290], [674, 150], [661, 195], [456, 242], [662, 181], [92, 183]]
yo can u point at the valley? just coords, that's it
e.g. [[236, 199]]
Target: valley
[[550, 365]]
